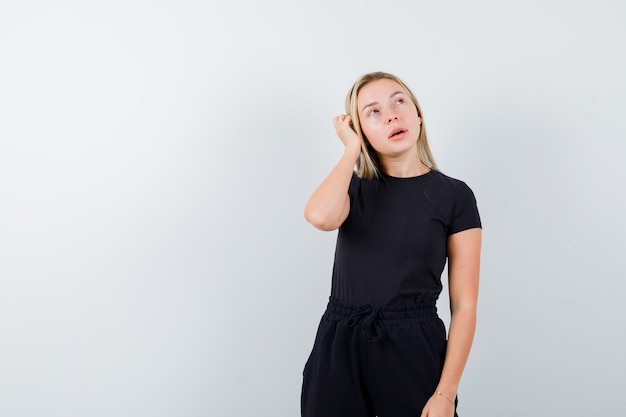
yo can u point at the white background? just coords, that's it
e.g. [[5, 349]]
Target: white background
[[156, 157]]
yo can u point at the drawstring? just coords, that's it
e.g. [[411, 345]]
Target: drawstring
[[370, 322]]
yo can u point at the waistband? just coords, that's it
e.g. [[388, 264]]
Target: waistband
[[372, 318]]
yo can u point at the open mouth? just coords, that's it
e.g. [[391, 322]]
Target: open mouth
[[397, 133]]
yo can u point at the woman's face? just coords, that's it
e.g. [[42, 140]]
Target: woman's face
[[388, 117]]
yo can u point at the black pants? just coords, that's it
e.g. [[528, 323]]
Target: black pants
[[370, 361]]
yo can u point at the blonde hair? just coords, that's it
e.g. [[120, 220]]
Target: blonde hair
[[368, 164]]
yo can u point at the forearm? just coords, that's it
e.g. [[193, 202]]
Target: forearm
[[326, 207], [461, 336]]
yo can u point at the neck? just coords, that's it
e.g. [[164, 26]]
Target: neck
[[404, 168]]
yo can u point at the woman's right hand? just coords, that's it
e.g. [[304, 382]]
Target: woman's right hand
[[343, 127]]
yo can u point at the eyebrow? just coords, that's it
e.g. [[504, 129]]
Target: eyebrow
[[375, 102]]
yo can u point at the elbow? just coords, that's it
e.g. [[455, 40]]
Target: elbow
[[319, 220], [467, 311]]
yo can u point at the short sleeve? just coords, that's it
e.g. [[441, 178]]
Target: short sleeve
[[464, 211], [354, 184]]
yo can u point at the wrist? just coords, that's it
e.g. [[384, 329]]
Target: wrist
[[444, 397], [352, 152], [446, 391]]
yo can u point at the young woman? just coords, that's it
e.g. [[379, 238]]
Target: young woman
[[381, 349]]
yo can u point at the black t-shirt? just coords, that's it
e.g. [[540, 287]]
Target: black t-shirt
[[392, 247]]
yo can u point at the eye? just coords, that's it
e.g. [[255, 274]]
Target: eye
[[400, 101], [372, 112]]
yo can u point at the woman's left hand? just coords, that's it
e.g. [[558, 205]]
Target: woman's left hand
[[438, 406]]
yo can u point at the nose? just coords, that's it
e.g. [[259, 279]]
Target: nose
[[391, 115]]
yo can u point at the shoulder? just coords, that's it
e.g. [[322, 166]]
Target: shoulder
[[451, 184], [357, 183], [446, 179], [462, 203]]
